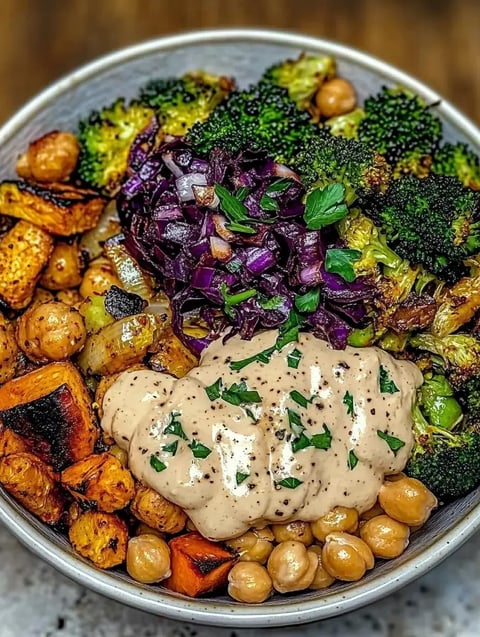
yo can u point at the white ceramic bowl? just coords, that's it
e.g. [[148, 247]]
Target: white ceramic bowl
[[244, 54]]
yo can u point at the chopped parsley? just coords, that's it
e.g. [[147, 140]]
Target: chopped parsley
[[239, 394], [395, 444], [294, 358], [199, 450], [261, 357], [235, 210], [241, 477], [300, 399], [324, 206], [174, 426], [308, 302], [290, 483], [387, 386], [214, 391], [340, 261], [323, 440], [171, 447], [295, 422], [156, 464], [302, 442], [279, 186], [348, 401], [352, 460]]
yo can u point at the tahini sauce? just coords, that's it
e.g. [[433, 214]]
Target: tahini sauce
[[250, 475]]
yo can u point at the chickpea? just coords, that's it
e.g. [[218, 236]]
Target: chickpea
[[385, 536], [322, 579], [51, 158], [346, 557], [372, 513], [407, 500], [64, 269], [338, 519], [291, 567], [120, 454], [299, 531], [8, 350], [336, 97], [69, 297], [148, 559], [253, 546], [41, 296], [98, 278], [190, 526], [249, 582], [144, 529], [50, 332]]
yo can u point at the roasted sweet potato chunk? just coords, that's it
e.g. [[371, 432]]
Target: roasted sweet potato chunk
[[198, 565], [101, 481], [172, 355], [150, 507], [10, 442], [33, 484], [24, 252], [50, 407], [100, 537], [61, 210]]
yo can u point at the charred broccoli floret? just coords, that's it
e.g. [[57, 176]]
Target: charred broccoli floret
[[398, 122], [327, 159], [260, 118], [346, 125], [468, 393], [432, 221], [448, 463], [105, 139], [459, 353], [458, 160], [301, 77], [413, 163], [181, 102]]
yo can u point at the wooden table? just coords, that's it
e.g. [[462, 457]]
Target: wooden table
[[436, 40]]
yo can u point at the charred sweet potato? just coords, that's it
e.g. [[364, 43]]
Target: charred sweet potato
[[100, 481], [172, 355], [198, 565], [50, 407], [33, 484], [61, 210], [100, 537], [24, 252], [150, 507], [10, 442]]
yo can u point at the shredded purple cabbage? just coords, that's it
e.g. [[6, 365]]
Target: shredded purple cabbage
[[174, 227]]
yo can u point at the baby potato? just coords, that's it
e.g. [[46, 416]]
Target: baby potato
[[10, 442], [148, 559], [150, 507], [386, 537], [64, 268], [50, 331], [51, 158], [33, 483], [8, 350], [346, 557], [100, 537], [41, 296], [101, 481], [407, 500]]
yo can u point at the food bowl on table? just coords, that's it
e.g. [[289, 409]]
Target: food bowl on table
[[243, 54]]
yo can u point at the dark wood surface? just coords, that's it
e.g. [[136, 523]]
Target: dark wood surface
[[436, 40]]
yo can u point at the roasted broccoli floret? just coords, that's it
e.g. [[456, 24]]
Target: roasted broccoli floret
[[432, 221], [301, 77], [105, 139], [327, 159], [439, 403], [468, 393], [398, 122], [448, 463], [260, 118], [458, 160], [413, 163], [181, 102], [346, 125]]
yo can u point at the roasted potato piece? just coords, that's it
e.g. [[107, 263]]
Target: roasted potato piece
[[64, 269], [10, 442], [50, 407], [150, 507], [24, 252], [101, 481], [172, 355], [8, 350], [100, 537], [61, 210], [50, 158], [33, 484]]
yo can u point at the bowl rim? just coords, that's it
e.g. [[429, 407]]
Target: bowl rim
[[204, 611]]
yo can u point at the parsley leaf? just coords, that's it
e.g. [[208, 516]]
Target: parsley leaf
[[293, 359], [272, 303], [302, 442], [279, 186], [261, 357], [309, 301], [156, 464], [241, 477], [348, 401], [352, 460], [199, 450], [325, 206], [269, 204], [241, 193], [175, 426], [214, 391], [239, 394], [290, 483], [171, 447], [231, 206], [340, 261], [323, 440], [387, 386], [395, 444], [289, 330], [295, 422], [300, 399], [235, 299], [240, 227]]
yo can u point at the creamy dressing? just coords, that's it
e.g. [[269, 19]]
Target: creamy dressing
[[232, 467]]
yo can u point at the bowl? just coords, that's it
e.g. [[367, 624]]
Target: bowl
[[244, 54]]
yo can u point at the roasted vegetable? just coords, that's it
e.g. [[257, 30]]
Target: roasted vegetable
[[24, 252], [50, 407], [10, 442], [416, 312], [99, 481], [198, 565], [8, 350], [132, 277], [150, 507], [100, 537], [120, 344], [50, 158], [172, 355], [458, 160], [460, 352], [120, 303], [92, 241], [98, 278], [346, 125], [458, 306], [64, 268], [439, 403], [61, 210], [95, 314], [33, 484]]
